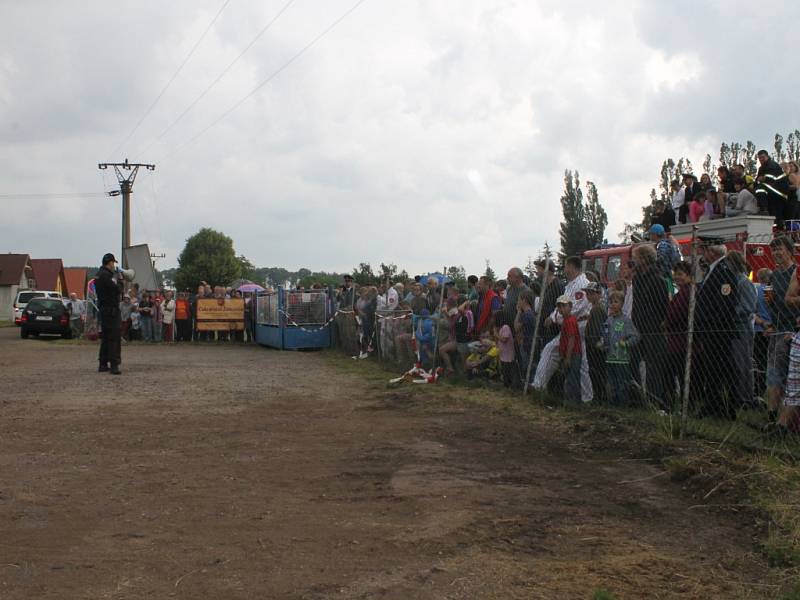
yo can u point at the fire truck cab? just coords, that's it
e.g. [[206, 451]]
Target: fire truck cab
[[750, 235]]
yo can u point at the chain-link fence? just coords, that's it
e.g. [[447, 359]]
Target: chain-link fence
[[697, 329]]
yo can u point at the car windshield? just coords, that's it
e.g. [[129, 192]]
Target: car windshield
[[44, 303], [25, 297]]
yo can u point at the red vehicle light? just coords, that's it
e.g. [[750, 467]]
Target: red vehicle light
[[64, 320], [23, 318]]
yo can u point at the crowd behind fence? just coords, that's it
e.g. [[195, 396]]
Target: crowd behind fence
[[696, 333]]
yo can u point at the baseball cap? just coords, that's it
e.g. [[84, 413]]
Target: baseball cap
[[108, 257], [657, 229], [564, 300]]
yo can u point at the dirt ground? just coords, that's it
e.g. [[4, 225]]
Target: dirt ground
[[229, 472]]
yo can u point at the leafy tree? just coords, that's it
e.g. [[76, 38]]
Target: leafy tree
[[363, 274], [248, 269], [387, 272], [573, 226], [595, 215], [458, 275], [780, 155], [208, 256]]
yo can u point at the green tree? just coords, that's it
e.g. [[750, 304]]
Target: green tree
[[387, 272], [573, 226], [207, 256], [363, 274], [248, 269], [489, 272], [458, 275], [595, 216]]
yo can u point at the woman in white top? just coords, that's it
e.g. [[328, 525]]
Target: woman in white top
[[169, 316]]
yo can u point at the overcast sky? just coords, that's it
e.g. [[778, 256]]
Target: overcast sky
[[424, 133]]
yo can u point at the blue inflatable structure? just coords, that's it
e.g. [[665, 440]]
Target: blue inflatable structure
[[294, 319]]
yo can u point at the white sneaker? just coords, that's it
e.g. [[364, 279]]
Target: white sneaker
[[363, 355]]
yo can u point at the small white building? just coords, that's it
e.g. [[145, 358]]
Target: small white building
[[15, 273]]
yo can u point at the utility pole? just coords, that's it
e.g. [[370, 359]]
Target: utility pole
[[126, 189]]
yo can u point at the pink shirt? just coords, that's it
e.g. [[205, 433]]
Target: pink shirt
[[505, 344], [696, 210]]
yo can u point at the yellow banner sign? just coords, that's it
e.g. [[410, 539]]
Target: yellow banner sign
[[215, 314]]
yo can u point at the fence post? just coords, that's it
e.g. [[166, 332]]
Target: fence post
[[535, 340], [438, 322], [687, 368]]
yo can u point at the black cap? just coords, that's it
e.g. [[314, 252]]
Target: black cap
[[346, 277], [551, 265], [711, 240], [692, 175], [108, 258]]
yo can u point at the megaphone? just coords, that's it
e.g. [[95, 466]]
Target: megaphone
[[126, 274]]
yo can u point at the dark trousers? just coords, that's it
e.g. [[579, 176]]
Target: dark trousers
[[653, 351], [619, 381], [596, 360], [183, 330], [572, 381], [760, 357], [712, 378], [110, 345]]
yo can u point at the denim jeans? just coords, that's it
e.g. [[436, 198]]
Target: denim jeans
[[619, 381], [572, 381], [146, 324]]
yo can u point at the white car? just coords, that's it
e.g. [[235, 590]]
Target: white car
[[25, 296]]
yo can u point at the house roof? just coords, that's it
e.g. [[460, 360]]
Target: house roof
[[47, 272], [76, 281], [12, 266]]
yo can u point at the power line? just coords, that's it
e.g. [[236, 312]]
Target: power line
[[217, 80], [268, 79], [171, 79], [45, 196]]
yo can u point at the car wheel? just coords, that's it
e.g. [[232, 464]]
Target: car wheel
[[67, 335], [23, 333]]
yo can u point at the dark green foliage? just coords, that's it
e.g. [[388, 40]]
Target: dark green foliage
[[584, 223], [208, 256]]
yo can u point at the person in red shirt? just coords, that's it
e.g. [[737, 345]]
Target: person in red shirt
[[569, 349]]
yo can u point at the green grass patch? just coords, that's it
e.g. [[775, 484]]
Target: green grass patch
[[603, 594]]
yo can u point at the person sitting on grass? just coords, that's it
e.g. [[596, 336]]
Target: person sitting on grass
[[483, 359], [461, 324], [620, 335], [569, 351]]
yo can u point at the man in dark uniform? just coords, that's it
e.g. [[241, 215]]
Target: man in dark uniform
[[715, 314], [109, 291]]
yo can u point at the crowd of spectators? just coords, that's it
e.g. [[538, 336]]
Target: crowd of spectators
[[773, 191]]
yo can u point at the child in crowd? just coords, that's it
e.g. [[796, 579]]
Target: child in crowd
[[697, 207], [461, 324], [526, 319], [569, 350], [424, 334], [505, 345], [482, 361], [619, 336]]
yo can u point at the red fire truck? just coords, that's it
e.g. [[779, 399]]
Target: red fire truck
[[749, 235]]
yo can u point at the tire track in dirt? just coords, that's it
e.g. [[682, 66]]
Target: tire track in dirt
[[239, 472]]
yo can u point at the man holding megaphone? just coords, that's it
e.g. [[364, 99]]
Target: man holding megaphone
[[109, 287]]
